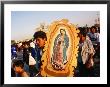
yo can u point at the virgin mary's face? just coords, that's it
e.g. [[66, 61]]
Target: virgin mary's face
[[62, 32]]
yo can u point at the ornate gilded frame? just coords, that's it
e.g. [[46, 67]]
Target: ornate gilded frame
[[47, 69]]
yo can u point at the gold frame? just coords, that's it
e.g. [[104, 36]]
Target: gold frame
[[46, 68]]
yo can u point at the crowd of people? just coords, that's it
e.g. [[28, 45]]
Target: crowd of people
[[23, 53], [89, 49]]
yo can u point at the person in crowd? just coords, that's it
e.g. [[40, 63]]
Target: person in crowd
[[39, 40], [18, 67], [13, 51], [88, 31], [26, 56], [85, 55], [33, 64], [95, 38], [19, 52]]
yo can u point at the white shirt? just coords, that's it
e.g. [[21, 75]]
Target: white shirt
[[87, 48]]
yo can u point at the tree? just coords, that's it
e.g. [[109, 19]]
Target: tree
[[42, 27]]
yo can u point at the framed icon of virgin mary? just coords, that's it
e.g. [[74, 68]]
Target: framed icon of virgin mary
[[59, 58]]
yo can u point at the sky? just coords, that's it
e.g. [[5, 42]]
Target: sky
[[24, 23]]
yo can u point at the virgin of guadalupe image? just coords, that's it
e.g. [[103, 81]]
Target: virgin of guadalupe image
[[59, 57]]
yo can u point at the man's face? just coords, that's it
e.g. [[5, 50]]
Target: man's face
[[83, 38], [93, 30], [40, 42]]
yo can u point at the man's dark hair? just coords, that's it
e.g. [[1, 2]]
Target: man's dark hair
[[40, 34], [83, 33], [93, 27], [18, 63]]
